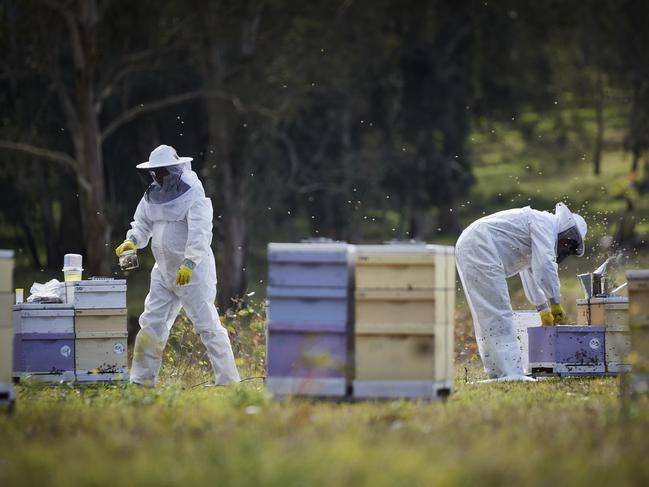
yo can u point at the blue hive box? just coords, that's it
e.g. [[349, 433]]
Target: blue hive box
[[309, 264]]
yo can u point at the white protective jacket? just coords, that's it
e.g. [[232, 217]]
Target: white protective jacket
[[180, 231], [518, 241]]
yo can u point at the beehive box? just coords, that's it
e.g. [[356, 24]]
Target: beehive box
[[44, 356], [567, 350], [404, 267], [6, 302], [306, 305], [100, 320], [6, 270], [100, 294], [309, 264], [380, 307], [638, 297], [101, 356], [524, 319], [612, 312], [307, 360], [6, 355], [43, 318]]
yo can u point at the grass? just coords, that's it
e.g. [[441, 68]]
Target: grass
[[553, 432]]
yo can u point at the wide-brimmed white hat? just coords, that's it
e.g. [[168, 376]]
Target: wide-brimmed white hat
[[163, 156], [566, 219]]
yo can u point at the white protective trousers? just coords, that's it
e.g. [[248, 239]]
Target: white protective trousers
[[179, 229], [520, 241]]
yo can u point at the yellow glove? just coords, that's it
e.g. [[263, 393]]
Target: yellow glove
[[124, 246], [184, 275], [558, 313], [546, 318]]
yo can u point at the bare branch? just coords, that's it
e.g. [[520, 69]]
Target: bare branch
[[135, 112], [52, 155]]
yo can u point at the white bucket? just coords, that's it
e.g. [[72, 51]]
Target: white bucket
[[522, 321]]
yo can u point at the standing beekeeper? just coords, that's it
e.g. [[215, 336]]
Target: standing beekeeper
[[520, 241], [175, 214]]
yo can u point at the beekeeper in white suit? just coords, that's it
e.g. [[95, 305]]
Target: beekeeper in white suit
[[175, 214], [519, 241]]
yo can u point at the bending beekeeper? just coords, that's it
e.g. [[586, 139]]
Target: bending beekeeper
[[520, 241], [175, 214]]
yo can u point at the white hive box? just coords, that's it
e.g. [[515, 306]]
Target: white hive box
[[100, 294], [43, 318], [523, 319]]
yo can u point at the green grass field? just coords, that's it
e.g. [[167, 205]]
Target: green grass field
[[570, 432]]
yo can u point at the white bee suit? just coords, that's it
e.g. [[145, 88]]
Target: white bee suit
[[518, 241], [180, 230]]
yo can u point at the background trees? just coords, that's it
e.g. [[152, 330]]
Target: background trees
[[343, 119]]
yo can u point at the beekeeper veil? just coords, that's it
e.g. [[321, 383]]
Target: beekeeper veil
[[571, 232]]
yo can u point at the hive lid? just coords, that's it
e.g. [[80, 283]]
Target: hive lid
[[605, 300], [43, 306], [641, 274], [44, 336], [307, 292], [101, 312], [6, 254], [307, 328], [308, 252]]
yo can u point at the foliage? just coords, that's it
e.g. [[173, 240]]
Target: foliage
[[185, 359]]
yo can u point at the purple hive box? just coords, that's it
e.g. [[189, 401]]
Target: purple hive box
[[307, 306], [308, 360], [48, 355], [567, 350], [308, 264]]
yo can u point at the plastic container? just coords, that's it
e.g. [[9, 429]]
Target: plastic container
[[72, 267]]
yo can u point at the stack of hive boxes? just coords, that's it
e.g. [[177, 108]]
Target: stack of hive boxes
[[404, 321], [83, 339], [101, 330], [44, 342], [639, 328], [308, 319], [611, 312], [7, 394]]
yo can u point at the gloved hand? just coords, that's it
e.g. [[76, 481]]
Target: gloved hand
[[184, 275], [558, 313], [547, 319], [124, 246]]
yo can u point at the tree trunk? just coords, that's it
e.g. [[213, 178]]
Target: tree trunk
[[599, 118], [232, 246], [418, 224], [87, 138]]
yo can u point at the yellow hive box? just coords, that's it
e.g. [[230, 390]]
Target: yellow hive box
[[378, 307], [395, 357], [6, 306], [100, 320], [638, 297], [100, 353], [618, 347], [404, 267], [412, 353], [6, 355], [639, 356], [6, 270], [611, 312]]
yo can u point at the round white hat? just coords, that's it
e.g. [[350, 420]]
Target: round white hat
[[163, 156]]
